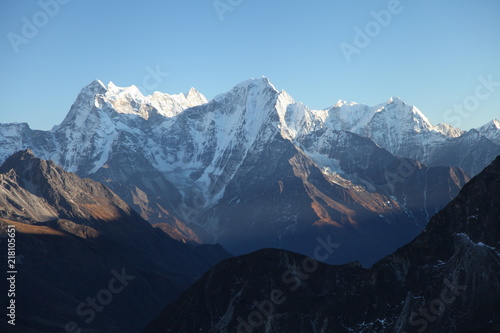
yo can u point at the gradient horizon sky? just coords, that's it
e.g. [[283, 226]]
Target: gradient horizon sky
[[432, 54]]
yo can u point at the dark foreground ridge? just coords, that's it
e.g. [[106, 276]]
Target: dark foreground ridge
[[85, 259], [446, 280]]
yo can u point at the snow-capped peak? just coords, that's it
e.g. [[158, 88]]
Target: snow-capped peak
[[491, 130], [389, 124], [97, 83], [341, 103], [130, 100], [259, 84], [114, 92], [404, 118], [402, 110], [93, 88], [192, 92], [85, 102], [395, 99], [494, 124], [194, 98], [248, 87], [449, 130]]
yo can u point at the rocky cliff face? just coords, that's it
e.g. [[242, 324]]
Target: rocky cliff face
[[74, 236], [295, 201], [446, 280]]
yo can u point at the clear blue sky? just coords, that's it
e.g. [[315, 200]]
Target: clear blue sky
[[430, 54]]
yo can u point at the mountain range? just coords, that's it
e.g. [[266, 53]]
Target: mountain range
[[128, 187], [253, 168]]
